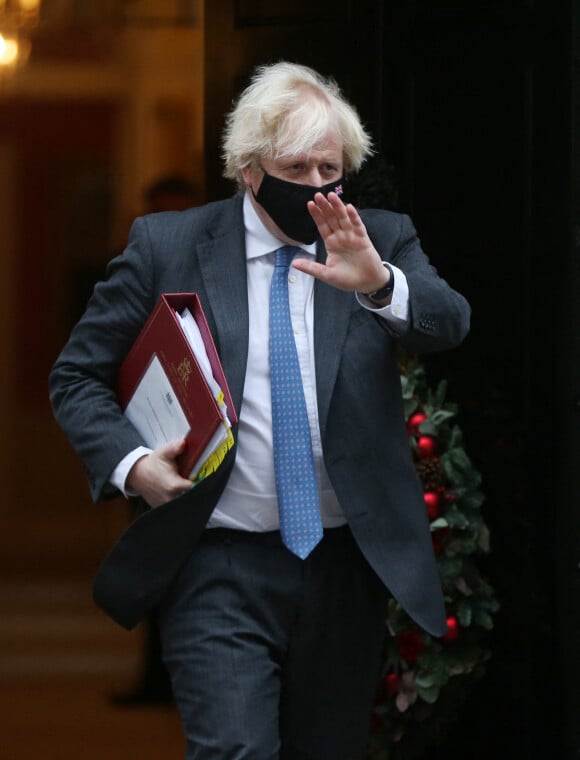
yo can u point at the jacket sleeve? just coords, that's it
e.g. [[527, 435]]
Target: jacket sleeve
[[82, 380], [439, 317]]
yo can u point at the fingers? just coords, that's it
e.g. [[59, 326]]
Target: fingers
[[166, 467], [312, 268], [155, 476], [171, 450], [332, 215], [328, 210]]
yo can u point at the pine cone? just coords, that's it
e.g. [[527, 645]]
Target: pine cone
[[430, 472]]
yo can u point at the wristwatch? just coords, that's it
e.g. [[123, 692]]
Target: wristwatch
[[379, 295]]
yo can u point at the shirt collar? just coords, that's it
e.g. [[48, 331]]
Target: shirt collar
[[259, 240]]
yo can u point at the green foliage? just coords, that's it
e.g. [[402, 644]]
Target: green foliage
[[425, 680]]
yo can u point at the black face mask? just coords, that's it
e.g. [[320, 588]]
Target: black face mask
[[285, 202]]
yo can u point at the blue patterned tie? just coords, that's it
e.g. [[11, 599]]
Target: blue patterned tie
[[296, 483]]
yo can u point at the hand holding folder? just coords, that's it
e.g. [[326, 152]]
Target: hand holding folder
[[171, 385]]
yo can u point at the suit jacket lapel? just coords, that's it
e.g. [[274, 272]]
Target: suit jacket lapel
[[332, 309], [222, 262]]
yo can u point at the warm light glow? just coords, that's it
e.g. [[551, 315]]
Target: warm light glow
[[29, 5], [18, 18], [8, 51]]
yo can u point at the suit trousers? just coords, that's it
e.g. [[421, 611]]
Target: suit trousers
[[272, 656]]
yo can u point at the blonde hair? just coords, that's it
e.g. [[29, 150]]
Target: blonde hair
[[286, 110]]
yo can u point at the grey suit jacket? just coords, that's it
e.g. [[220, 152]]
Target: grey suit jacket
[[365, 444]]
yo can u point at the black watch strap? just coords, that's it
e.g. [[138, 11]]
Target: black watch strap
[[384, 292]]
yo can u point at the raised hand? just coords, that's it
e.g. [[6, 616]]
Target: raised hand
[[352, 262]]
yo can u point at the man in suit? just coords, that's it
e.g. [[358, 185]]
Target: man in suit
[[273, 651]]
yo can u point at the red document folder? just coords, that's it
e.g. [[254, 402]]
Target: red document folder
[[163, 338]]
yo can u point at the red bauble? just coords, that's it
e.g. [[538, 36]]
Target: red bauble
[[426, 446], [432, 504], [414, 421], [392, 683], [410, 645], [452, 630], [438, 537]]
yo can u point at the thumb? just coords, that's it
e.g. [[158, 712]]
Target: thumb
[[172, 450]]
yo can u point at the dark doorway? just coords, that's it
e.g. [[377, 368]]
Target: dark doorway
[[471, 105]]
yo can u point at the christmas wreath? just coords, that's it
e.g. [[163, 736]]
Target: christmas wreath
[[425, 679]]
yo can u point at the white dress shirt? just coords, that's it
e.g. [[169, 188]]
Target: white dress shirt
[[249, 500]]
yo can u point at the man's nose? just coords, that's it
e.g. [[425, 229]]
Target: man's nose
[[314, 177]]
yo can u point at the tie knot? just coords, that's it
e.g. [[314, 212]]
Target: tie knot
[[285, 255]]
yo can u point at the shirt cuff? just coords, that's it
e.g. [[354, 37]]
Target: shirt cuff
[[397, 312], [119, 475]]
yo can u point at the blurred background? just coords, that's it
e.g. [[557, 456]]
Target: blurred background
[[474, 108]]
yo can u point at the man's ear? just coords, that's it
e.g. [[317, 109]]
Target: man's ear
[[247, 174], [252, 176]]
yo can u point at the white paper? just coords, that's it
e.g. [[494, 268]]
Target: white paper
[[154, 409], [192, 333], [220, 436]]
